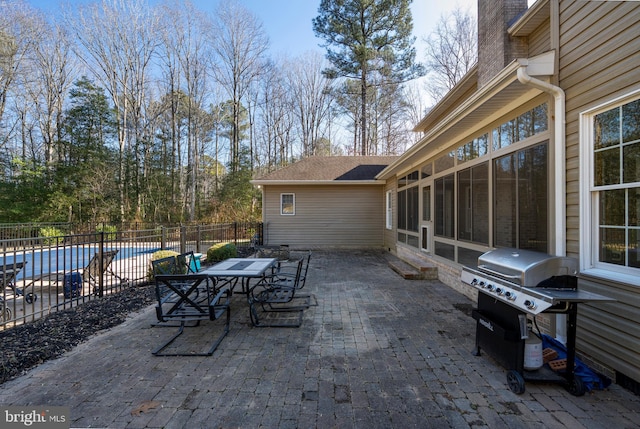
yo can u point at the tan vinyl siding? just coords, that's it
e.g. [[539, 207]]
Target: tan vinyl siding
[[593, 67], [599, 59], [539, 41], [609, 332], [348, 216]]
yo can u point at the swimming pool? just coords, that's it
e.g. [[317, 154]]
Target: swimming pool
[[66, 259]]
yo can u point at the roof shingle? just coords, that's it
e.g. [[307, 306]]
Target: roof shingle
[[331, 168]]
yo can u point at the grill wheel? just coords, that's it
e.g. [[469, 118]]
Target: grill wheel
[[576, 386], [515, 381]]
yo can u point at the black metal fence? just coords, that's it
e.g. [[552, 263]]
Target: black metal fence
[[39, 275]]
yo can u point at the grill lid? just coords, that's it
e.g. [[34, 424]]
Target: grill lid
[[526, 267]]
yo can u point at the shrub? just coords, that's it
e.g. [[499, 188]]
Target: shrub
[[51, 236], [159, 255], [221, 251], [109, 231]]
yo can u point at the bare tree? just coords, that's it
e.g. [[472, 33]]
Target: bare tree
[[185, 43], [416, 109], [311, 97], [118, 41], [53, 74], [240, 43], [277, 119], [216, 113], [18, 36], [167, 111], [390, 113], [452, 49], [347, 108]]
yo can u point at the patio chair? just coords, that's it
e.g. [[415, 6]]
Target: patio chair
[[165, 266], [8, 273], [181, 299], [97, 267], [179, 264], [287, 272], [186, 263], [270, 301], [170, 265]]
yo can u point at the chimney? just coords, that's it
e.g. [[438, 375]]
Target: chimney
[[496, 48]]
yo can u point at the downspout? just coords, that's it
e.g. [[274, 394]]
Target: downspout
[[559, 163], [559, 150]]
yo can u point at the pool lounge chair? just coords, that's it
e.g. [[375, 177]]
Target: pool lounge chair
[[8, 273], [97, 267], [72, 280]]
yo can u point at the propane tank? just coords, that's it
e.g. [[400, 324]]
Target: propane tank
[[532, 352]]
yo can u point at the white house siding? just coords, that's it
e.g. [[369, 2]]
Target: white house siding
[[599, 61], [346, 216]]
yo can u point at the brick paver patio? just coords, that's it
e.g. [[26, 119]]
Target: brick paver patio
[[377, 352]]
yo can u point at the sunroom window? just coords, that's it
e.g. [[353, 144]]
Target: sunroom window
[[521, 195], [407, 205]]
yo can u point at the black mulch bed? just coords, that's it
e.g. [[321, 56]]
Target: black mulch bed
[[31, 344], [28, 345]]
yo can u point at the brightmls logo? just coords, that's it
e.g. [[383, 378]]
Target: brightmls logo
[[34, 417]]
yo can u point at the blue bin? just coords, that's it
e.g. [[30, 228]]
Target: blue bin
[[72, 285], [194, 263]]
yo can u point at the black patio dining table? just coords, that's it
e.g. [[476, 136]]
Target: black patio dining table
[[232, 270]]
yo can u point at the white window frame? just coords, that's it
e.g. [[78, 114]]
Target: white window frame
[[389, 210], [589, 201], [282, 207]]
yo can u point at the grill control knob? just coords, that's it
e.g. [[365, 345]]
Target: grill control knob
[[474, 282], [490, 288], [530, 304], [500, 291], [481, 284], [511, 296]]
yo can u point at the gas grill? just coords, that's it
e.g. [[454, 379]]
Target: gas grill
[[512, 284]]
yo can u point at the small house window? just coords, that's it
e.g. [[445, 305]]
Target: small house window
[[287, 204], [389, 210]]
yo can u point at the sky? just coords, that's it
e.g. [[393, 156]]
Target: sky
[[288, 22]]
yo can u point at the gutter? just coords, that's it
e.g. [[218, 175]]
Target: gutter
[[544, 64], [259, 182]]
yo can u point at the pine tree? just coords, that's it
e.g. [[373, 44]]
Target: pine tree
[[370, 42]]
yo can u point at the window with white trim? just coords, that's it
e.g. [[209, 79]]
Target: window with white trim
[[389, 206], [288, 204], [408, 209], [614, 194]]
